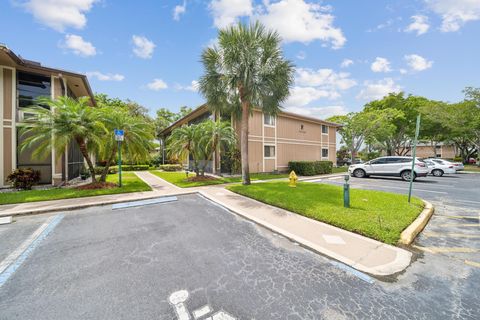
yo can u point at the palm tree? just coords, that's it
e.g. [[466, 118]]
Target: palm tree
[[138, 134], [184, 142], [246, 70], [65, 121], [216, 136]]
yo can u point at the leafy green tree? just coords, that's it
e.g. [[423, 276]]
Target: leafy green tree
[[472, 94], [138, 135], [352, 132], [65, 121], [433, 129], [246, 70], [132, 107]]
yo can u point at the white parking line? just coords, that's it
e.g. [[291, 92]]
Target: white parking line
[[400, 188]]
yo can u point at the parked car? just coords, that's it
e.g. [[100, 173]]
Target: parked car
[[390, 166], [439, 169], [346, 161], [457, 165]]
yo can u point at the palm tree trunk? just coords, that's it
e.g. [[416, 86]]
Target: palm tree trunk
[[83, 149], [103, 177], [244, 143]]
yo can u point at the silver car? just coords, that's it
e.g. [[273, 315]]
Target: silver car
[[395, 166]]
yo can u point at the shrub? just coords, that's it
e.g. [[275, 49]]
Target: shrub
[[310, 168], [24, 178], [458, 159], [135, 167], [111, 170], [170, 167]]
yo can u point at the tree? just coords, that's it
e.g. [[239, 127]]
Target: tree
[[183, 141], [65, 121], [163, 119], [138, 134], [132, 107], [216, 136], [352, 132], [433, 129], [246, 70], [472, 94]]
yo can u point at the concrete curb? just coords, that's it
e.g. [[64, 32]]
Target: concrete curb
[[410, 233]]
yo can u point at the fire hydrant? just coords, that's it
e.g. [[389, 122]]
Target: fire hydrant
[[293, 179]]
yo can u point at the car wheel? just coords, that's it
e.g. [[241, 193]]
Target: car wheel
[[437, 172], [359, 173], [406, 175]]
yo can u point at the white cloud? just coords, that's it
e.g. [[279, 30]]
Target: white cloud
[[418, 63], [179, 10], [346, 63], [143, 48], [381, 65], [297, 20], [227, 12], [403, 71], [326, 78], [419, 25], [301, 55], [157, 85], [60, 14], [377, 90], [318, 112], [192, 87], [105, 76], [455, 13], [311, 85], [79, 46]]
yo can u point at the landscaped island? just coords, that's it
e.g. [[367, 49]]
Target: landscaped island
[[375, 214]]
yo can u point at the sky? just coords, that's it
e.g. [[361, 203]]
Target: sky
[[346, 52]]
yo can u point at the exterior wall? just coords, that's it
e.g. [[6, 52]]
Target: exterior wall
[[444, 151], [293, 139], [7, 123]]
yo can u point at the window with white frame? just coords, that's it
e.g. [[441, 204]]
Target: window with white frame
[[324, 153], [324, 129], [269, 151], [268, 120]]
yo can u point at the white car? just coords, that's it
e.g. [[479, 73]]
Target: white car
[[457, 165], [439, 169], [395, 166]]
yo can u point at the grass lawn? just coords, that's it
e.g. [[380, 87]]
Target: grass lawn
[[375, 214], [472, 167], [179, 178], [339, 169], [131, 183]]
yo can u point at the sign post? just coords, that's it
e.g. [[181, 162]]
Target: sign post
[[346, 192], [414, 154], [119, 136]]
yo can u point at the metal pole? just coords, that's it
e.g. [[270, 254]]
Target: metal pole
[[414, 153], [346, 192], [120, 163]]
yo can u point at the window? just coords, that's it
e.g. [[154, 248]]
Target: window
[[324, 153], [324, 129], [394, 160], [268, 120], [269, 151], [30, 87], [438, 155], [379, 161]]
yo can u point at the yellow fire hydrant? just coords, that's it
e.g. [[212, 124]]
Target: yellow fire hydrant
[[293, 179]]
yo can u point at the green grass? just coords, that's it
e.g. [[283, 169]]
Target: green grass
[[131, 183], [179, 178], [375, 214], [339, 169], [472, 167]]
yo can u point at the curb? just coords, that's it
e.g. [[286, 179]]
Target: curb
[[410, 233]]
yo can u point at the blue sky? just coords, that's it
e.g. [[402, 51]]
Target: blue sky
[[346, 52]]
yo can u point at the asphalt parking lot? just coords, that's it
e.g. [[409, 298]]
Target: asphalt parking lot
[[454, 229], [191, 258]]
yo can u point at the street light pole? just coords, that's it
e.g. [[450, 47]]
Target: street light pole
[[414, 153]]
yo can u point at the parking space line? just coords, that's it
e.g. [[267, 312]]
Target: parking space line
[[459, 225], [16, 258], [457, 217], [472, 263], [450, 235], [353, 271], [447, 249], [399, 188], [139, 203]]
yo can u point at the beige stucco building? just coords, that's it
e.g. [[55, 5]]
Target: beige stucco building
[[21, 81], [274, 141], [442, 150]]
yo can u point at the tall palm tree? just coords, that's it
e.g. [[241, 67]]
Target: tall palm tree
[[65, 121], [138, 134], [184, 142], [246, 70], [216, 136]]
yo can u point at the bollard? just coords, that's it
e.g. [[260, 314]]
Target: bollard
[[346, 192]]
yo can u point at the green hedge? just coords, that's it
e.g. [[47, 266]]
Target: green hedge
[[170, 167], [127, 167], [310, 168]]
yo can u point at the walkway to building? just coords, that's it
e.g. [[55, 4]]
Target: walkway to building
[[354, 250]]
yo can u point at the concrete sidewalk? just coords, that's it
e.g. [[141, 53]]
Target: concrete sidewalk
[[359, 252]]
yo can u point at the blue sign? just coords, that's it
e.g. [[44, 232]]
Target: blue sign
[[118, 132]]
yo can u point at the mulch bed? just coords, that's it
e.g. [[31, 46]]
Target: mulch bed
[[97, 185], [201, 178]]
